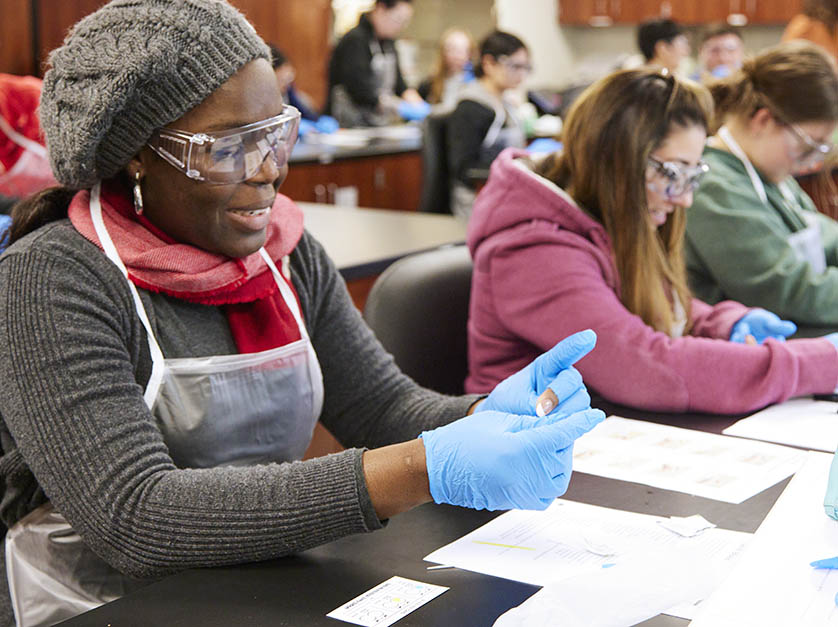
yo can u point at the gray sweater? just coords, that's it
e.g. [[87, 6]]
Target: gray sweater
[[75, 429]]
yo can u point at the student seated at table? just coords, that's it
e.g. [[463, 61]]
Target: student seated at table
[[663, 43], [452, 69], [171, 335], [485, 121], [817, 22], [752, 234], [721, 53], [310, 118], [24, 167], [366, 87], [593, 237]]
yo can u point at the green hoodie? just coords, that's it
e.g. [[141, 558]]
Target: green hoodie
[[737, 246]]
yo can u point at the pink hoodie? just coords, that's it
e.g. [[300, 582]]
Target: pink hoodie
[[543, 269]]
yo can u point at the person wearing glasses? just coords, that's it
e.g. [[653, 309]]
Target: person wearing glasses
[[721, 53], [752, 234], [171, 334], [366, 87], [593, 237], [485, 120]]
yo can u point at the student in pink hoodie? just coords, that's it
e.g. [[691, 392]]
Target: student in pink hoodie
[[593, 238]]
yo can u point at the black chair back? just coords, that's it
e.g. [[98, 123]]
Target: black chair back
[[436, 185], [418, 309]]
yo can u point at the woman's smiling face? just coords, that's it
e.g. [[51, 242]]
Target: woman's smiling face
[[229, 219]]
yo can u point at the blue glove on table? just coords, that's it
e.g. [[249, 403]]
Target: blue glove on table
[[544, 144], [306, 127], [326, 124], [491, 460], [411, 111], [761, 324], [518, 393]]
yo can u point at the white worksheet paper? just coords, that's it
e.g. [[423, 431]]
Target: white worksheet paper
[[388, 602], [799, 422], [772, 584], [683, 460], [569, 539]]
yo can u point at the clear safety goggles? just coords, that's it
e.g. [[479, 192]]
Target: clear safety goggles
[[813, 152], [229, 156], [677, 179]]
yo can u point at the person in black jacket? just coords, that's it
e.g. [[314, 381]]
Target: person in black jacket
[[366, 86]]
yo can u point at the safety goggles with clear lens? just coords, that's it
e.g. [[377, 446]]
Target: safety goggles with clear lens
[[678, 179], [229, 156], [814, 152]]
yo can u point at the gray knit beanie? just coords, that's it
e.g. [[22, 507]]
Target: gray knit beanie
[[130, 68]]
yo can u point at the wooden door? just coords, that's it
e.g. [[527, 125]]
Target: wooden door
[[16, 51], [302, 30]]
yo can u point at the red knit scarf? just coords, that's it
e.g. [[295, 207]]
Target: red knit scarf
[[258, 317]]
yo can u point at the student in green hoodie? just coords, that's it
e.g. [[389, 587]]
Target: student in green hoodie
[[752, 234]]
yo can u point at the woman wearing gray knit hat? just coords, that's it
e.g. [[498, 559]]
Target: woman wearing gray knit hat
[[171, 334]]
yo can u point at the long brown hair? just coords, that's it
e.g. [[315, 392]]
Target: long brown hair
[[825, 11], [795, 80], [439, 72], [609, 134]]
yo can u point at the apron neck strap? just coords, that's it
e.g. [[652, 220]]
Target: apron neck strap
[[727, 138]]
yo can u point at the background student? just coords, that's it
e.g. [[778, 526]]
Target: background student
[[366, 87], [171, 334], [594, 237], [451, 70], [818, 23], [721, 53], [311, 119], [663, 43], [752, 234], [485, 119]]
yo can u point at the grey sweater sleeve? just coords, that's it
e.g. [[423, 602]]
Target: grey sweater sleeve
[[71, 400]]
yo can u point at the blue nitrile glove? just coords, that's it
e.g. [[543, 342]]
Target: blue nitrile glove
[[721, 71], [518, 393], [761, 324], [833, 338], [306, 127], [544, 144], [830, 503], [5, 224], [491, 460], [411, 111], [326, 124]]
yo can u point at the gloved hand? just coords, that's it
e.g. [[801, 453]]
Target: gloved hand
[[519, 393], [833, 338], [5, 225], [761, 325], [544, 145], [326, 124], [491, 460], [411, 111], [306, 127], [830, 503]]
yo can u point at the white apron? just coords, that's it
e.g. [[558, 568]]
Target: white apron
[[806, 243], [31, 172], [212, 411]]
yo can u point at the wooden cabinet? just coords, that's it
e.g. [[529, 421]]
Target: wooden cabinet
[[392, 181], [737, 12], [302, 28]]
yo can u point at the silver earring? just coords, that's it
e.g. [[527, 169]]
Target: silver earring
[[138, 195]]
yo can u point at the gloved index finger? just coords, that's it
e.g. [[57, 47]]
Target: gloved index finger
[[784, 327], [564, 354], [563, 433]]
